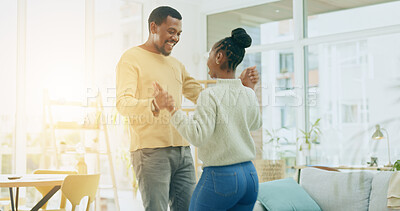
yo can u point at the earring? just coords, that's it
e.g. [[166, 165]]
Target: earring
[[216, 61]]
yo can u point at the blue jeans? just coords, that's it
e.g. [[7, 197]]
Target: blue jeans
[[166, 177], [233, 187]]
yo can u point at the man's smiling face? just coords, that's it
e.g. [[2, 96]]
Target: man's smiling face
[[166, 35]]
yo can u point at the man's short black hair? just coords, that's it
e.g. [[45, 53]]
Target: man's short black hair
[[160, 14]]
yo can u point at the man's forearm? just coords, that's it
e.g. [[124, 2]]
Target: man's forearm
[[129, 106]]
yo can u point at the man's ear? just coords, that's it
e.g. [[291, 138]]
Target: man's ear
[[153, 28]]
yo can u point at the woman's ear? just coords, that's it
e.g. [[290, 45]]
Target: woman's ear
[[219, 57]]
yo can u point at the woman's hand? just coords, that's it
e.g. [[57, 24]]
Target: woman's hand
[[249, 77], [162, 99], [171, 107]]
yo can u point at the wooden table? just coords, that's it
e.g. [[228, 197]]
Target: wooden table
[[32, 180]]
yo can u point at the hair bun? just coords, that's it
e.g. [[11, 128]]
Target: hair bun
[[241, 38]]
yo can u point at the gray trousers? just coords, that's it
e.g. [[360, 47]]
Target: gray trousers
[[166, 176]]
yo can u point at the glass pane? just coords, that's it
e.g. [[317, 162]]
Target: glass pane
[[55, 45], [331, 17], [113, 35], [118, 27], [277, 140], [55, 68], [354, 85], [266, 23], [8, 62]]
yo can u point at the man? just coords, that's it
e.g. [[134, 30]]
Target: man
[[161, 157]]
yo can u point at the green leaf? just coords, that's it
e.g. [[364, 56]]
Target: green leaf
[[396, 166]]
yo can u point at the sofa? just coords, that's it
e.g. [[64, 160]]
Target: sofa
[[331, 191]]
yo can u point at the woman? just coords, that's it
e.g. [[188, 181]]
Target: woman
[[220, 128]]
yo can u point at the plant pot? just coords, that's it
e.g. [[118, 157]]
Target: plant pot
[[305, 154]]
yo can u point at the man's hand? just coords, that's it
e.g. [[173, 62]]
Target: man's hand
[[171, 104], [162, 99], [249, 77]]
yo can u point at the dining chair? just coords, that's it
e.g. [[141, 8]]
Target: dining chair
[[4, 203], [45, 189], [75, 187]]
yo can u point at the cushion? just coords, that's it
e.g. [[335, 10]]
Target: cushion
[[259, 207], [345, 191], [285, 195], [378, 197]]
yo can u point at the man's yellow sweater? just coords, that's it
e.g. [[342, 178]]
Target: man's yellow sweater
[[136, 71]]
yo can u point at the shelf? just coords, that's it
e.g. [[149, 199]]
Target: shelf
[[73, 150], [76, 103], [73, 126], [92, 121], [86, 152], [5, 150], [367, 168], [105, 187]]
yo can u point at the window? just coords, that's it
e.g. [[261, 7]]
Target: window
[[277, 106], [344, 69], [356, 90], [285, 75], [59, 48], [266, 24], [8, 61], [8, 84], [286, 62]]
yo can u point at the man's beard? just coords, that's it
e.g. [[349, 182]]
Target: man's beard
[[162, 51]]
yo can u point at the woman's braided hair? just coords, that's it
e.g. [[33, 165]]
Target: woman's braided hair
[[233, 47]]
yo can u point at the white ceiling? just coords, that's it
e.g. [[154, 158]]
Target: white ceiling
[[221, 24], [282, 10]]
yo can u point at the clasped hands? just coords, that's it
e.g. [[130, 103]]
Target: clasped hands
[[162, 98]]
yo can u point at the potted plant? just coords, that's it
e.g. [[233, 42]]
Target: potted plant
[[396, 166], [271, 166], [63, 146], [308, 138], [274, 138]]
